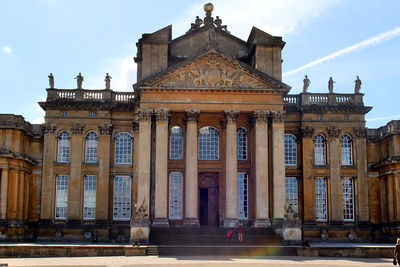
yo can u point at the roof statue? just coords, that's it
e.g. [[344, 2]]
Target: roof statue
[[357, 85], [208, 20], [79, 81], [330, 85], [306, 84], [108, 81], [51, 80], [218, 22]]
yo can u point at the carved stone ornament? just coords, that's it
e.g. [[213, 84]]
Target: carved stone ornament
[[50, 128], [352, 236], [307, 131], [192, 115], [77, 128], [141, 211], [334, 132], [324, 235], [162, 114], [211, 73], [231, 116], [360, 132], [260, 116], [143, 115], [277, 117], [291, 218], [105, 129]]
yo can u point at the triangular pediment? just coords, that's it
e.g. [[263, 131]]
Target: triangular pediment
[[213, 70]]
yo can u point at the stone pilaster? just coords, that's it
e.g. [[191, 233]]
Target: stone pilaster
[[20, 195], [261, 169], [231, 180], [334, 164], [191, 173], [12, 203], [308, 179], [360, 149], [140, 224], [278, 159], [75, 178], [3, 193], [396, 186], [161, 194], [102, 195], [48, 179]]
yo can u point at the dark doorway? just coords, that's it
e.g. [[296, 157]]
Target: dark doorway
[[209, 207], [203, 206]]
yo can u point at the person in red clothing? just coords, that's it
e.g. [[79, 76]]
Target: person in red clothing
[[241, 232]]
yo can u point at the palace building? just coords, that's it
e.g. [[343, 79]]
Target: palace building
[[209, 136]]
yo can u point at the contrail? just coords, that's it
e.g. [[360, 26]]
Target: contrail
[[364, 44], [384, 118]]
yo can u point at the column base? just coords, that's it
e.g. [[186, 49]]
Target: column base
[[191, 222], [160, 222], [140, 231], [262, 223], [277, 221], [231, 223]]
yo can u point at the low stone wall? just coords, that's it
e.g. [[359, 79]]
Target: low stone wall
[[350, 252]]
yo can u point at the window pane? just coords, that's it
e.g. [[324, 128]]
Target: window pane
[[176, 143], [241, 135], [123, 148], [347, 153], [292, 193], [63, 147], [91, 148], [321, 199], [89, 197], [61, 197], [348, 199], [122, 198], [175, 195], [208, 144], [243, 198], [319, 150], [290, 150]]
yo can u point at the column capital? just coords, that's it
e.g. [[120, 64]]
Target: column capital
[[231, 116], [143, 114], [360, 132], [277, 117], [260, 116], [192, 115], [334, 132], [105, 129], [77, 128], [307, 131], [50, 128], [162, 114]]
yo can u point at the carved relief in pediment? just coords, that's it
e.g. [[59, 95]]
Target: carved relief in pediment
[[213, 72]]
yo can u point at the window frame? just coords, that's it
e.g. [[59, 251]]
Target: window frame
[[63, 147], [325, 193], [320, 149], [241, 143], [243, 206], [208, 151], [90, 181], [292, 193], [346, 151], [126, 190], [175, 195], [293, 150], [118, 159], [87, 143], [176, 142], [61, 201], [346, 210]]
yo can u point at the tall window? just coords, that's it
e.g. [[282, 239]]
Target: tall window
[[243, 198], [123, 148], [292, 193], [63, 147], [175, 195], [290, 150], [176, 143], [347, 150], [61, 197], [321, 199], [320, 150], [348, 199], [241, 135], [208, 143], [122, 198], [89, 197], [91, 148]]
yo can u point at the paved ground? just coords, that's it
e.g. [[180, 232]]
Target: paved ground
[[196, 261]]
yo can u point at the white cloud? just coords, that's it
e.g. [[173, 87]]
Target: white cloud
[[7, 50], [375, 40], [274, 17], [38, 120], [386, 118], [128, 70]]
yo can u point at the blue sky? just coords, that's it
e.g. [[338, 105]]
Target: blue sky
[[335, 38]]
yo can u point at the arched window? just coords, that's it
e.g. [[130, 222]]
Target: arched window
[[91, 148], [320, 150], [290, 150], [176, 143], [347, 150], [208, 143], [241, 135], [63, 147], [123, 148]]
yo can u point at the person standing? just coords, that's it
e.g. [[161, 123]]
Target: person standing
[[240, 232], [396, 254]]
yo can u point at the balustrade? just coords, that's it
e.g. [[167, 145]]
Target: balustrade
[[92, 95]]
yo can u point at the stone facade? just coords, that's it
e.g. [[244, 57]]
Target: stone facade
[[152, 168]]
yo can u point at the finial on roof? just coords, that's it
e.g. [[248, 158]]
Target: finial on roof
[[208, 8]]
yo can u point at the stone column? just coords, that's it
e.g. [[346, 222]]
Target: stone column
[[75, 179], [140, 229], [48, 181], [308, 179], [12, 203], [231, 180], [278, 159], [396, 186], [191, 173], [20, 198], [161, 194], [360, 149], [103, 181], [261, 169], [334, 163], [390, 198], [3, 193]]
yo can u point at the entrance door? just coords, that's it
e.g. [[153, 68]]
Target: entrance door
[[208, 186]]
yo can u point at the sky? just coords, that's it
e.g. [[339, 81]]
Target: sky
[[338, 38]]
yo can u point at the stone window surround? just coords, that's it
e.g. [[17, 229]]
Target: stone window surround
[[182, 144]]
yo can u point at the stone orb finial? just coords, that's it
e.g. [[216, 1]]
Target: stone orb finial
[[208, 7]]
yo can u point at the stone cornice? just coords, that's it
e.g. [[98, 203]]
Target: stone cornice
[[87, 105], [192, 115], [231, 116]]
